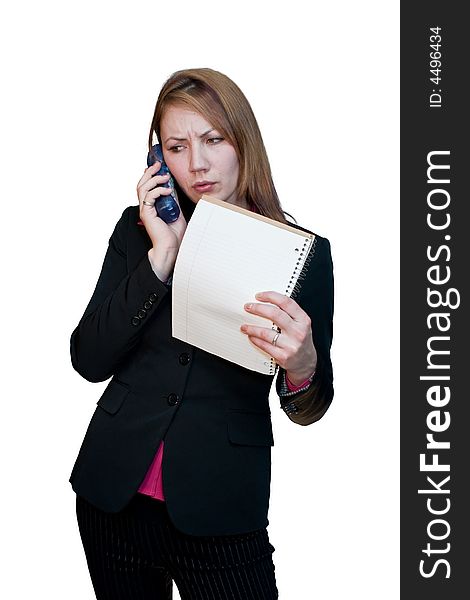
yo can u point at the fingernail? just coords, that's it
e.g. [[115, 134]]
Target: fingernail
[[248, 306]]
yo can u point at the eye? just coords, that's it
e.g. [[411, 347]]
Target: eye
[[215, 140], [177, 148]]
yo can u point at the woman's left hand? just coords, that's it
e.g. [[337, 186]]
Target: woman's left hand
[[293, 350]]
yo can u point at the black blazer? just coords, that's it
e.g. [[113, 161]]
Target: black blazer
[[213, 415]]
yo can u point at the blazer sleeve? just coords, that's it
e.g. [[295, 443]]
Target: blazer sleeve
[[113, 321], [316, 297]]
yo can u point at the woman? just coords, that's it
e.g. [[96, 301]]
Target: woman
[[173, 475]]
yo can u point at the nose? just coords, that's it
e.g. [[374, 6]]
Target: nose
[[198, 160]]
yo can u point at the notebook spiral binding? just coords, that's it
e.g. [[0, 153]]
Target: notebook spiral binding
[[295, 283]]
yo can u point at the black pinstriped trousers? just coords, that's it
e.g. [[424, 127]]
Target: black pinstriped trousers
[[137, 553]]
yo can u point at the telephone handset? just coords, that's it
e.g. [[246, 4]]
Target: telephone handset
[[166, 206]]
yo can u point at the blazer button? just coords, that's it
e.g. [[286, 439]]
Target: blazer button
[[153, 297], [184, 358], [172, 399], [135, 321], [147, 305], [142, 313]]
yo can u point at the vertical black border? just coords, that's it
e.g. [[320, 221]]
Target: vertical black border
[[426, 129]]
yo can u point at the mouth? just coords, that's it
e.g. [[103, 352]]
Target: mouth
[[203, 186]]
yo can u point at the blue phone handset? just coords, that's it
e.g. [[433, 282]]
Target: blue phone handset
[[166, 206]]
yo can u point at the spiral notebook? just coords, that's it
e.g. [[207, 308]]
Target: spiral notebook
[[227, 255]]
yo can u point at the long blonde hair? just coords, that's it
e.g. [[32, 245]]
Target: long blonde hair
[[219, 100]]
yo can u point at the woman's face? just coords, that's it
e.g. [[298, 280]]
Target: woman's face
[[198, 156]]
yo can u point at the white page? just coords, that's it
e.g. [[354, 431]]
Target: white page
[[225, 258]]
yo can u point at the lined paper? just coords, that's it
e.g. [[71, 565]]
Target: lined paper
[[227, 255]]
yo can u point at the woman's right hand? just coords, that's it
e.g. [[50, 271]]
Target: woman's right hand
[[166, 237]]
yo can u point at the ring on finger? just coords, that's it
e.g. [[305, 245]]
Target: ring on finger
[[275, 338], [148, 203]]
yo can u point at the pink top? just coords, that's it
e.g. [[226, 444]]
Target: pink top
[[152, 485]]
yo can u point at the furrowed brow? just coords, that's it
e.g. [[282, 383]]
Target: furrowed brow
[[178, 139]]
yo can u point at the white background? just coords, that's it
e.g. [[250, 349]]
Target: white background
[[80, 81]]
